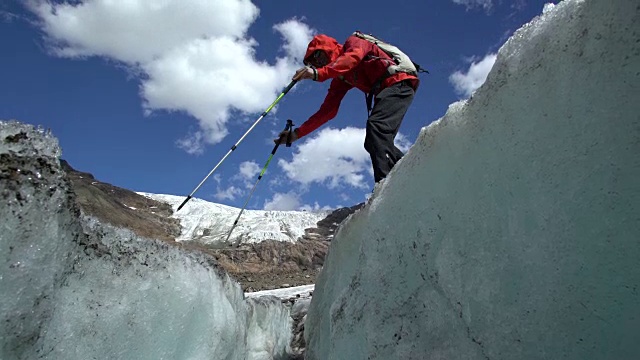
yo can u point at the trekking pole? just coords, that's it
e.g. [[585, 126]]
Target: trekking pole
[[289, 127], [284, 92]]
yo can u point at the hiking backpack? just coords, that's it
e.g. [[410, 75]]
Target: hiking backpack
[[403, 62]]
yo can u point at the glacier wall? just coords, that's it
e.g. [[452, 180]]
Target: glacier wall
[[73, 288], [209, 223], [511, 229]]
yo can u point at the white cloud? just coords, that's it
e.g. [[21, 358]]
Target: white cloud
[[334, 157], [278, 180], [8, 17], [249, 170], [283, 201], [469, 4], [139, 30], [191, 55], [291, 201], [228, 194], [317, 207], [466, 83], [192, 144], [247, 173], [402, 143], [296, 36]]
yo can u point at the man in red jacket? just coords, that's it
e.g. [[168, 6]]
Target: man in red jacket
[[363, 65]]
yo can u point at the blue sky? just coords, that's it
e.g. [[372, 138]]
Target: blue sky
[[150, 95]]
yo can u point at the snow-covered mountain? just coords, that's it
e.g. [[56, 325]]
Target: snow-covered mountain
[[209, 223], [266, 260]]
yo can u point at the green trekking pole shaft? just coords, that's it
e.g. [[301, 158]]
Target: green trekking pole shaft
[[289, 127], [284, 92]]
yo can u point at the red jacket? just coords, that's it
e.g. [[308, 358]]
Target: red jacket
[[349, 67]]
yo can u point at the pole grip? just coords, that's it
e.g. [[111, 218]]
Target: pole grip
[[290, 128], [286, 90]]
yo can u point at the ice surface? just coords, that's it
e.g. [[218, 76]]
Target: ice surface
[[303, 291], [209, 223], [298, 298], [42, 142], [510, 229], [34, 261], [73, 288]]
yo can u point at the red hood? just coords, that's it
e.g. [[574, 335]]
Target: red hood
[[329, 45]]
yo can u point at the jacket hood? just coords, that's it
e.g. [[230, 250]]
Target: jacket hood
[[329, 45]]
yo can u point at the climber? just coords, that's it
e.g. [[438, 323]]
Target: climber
[[361, 63]]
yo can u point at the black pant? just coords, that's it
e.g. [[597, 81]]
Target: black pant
[[382, 126]]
